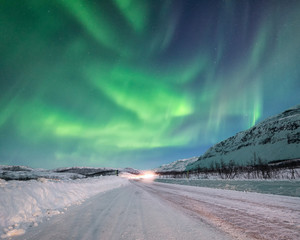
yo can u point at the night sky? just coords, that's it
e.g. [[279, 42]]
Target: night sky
[[140, 83]]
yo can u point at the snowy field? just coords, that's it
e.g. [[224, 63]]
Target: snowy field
[[27, 203], [278, 187], [151, 210], [131, 207]]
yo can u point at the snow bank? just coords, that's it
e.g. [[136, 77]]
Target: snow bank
[[25, 203]]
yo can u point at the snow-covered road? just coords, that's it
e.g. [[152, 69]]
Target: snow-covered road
[[145, 210], [244, 215]]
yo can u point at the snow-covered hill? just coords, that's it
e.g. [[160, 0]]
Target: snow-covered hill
[[177, 166], [276, 138], [26, 173], [130, 170]]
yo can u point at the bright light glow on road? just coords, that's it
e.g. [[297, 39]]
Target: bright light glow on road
[[148, 175], [144, 175]]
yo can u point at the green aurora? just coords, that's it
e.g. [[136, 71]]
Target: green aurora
[[140, 82]]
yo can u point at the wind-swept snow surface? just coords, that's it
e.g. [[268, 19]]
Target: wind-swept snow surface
[[243, 215], [147, 210], [127, 213], [26, 203]]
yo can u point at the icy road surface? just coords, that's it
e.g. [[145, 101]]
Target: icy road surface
[[144, 210]]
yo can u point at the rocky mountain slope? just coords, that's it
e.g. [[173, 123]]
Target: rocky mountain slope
[[276, 138]]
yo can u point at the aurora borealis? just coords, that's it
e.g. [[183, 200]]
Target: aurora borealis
[[140, 83]]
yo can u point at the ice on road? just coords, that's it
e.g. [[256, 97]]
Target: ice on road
[[144, 210]]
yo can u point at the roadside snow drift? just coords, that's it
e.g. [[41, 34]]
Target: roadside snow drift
[[25, 203]]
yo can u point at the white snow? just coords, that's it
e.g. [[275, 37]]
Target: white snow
[[244, 215], [26, 203], [127, 213], [147, 210]]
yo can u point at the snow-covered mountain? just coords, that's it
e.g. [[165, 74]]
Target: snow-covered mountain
[[177, 166], [276, 138]]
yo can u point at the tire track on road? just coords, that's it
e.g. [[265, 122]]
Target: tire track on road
[[243, 219]]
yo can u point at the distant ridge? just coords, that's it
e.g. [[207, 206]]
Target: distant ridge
[[26, 173], [177, 166]]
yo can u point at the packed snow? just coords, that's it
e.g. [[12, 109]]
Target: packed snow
[[126, 213], [244, 215], [151, 210], [27, 203]]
